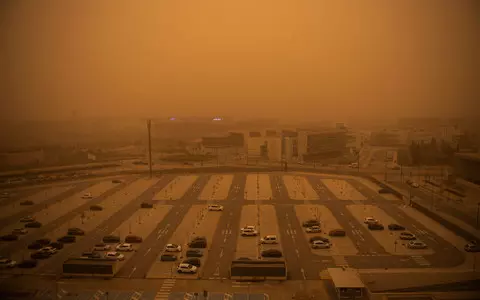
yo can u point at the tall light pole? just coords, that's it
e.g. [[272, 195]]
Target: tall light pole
[[149, 123], [478, 211]]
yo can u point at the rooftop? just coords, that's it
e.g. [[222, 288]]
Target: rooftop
[[469, 156], [344, 278]]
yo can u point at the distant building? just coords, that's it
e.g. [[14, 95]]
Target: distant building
[[231, 144], [321, 145], [255, 141], [389, 138]]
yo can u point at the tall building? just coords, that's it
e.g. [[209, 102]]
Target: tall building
[[325, 144]]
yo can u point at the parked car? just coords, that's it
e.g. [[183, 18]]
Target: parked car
[[215, 207], [370, 220], [111, 239], [194, 253], [192, 261], [6, 263], [44, 241], [67, 239], [269, 239], [27, 264], [57, 245], [75, 231], [310, 223], [87, 196], [271, 253], [318, 238], [186, 268], [96, 207], [320, 245], [146, 205], [198, 242], [313, 229], [472, 246], [124, 247], [407, 236], [35, 246], [384, 191], [33, 224], [416, 245], [375, 226], [248, 232], [168, 257], [117, 181], [101, 247], [91, 255], [133, 239], [40, 255], [395, 227], [27, 219], [9, 237], [49, 250], [19, 231], [27, 202], [173, 248], [114, 255], [337, 232]]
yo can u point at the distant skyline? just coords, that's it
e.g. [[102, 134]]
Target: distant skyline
[[291, 60]]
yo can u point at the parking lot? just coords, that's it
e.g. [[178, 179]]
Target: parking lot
[[275, 206]]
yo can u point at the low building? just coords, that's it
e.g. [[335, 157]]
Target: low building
[[389, 138], [467, 166], [327, 144]]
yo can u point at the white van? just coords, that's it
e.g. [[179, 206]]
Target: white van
[[269, 239]]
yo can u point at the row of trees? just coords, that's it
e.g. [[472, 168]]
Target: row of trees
[[433, 152]]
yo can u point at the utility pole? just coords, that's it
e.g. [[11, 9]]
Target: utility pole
[[149, 123], [478, 211]]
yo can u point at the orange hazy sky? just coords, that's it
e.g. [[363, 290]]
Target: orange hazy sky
[[251, 58]]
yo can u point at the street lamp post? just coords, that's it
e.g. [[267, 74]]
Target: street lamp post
[[478, 211]]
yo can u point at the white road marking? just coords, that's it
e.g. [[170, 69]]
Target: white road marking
[[131, 273], [221, 252], [148, 250], [298, 253]]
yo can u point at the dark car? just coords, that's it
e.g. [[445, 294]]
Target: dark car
[[337, 232], [133, 239], [375, 226], [57, 245], [96, 208], [75, 231], [272, 253], [40, 255], [198, 242], [146, 205], [26, 202], [192, 261], [91, 255], [9, 237], [394, 227], [35, 246], [407, 236], [384, 191], [168, 257], [310, 223], [44, 241], [194, 253], [67, 239], [110, 239], [472, 246], [319, 238], [117, 181], [34, 224], [28, 263]]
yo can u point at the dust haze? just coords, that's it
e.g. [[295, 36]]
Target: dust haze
[[281, 59]]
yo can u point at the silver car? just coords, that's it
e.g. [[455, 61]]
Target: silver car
[[417, 245]]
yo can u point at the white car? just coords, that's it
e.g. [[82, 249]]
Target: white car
[[101, 247], [19, 231], [87, 196], [415, 185], [248, 232], [370, 220], [115, 255], [269, 239], [320, 245], [173, 248], [7, 263], [215, 207], [417, 245], [314, 229], [124, 247], [186, 268]]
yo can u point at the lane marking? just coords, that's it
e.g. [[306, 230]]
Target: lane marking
[[131, 273], [148, 250]]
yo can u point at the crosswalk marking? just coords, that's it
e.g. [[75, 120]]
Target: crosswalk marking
[[136, 296], [420, 260], [98, 295], [165, 289]]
